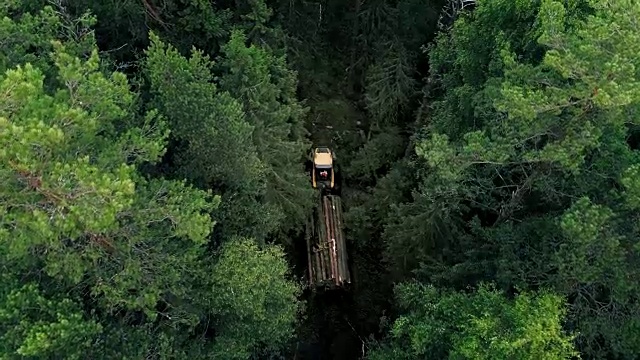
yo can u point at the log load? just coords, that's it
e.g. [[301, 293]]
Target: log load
[[326, 247]]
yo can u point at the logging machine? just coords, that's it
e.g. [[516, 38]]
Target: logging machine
[[323, 174], [326, 245]]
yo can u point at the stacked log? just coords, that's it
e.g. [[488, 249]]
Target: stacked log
[[327, 253]]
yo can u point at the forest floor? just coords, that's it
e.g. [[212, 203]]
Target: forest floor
[[334, 122]]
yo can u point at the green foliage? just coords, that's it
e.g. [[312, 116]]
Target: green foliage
[[26, 36], [74, 206], [524, 174], [115, 257], [463, 59], [35, 326], [250, 148], [123, 27], [24, 31], [524, 157], [390, 85], [215, 141], [481, 325], [377, 155], [267, 90], [70, 183], [256, 305], [390, 41]]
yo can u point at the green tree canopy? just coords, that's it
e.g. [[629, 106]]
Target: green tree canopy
[[483, 324], [527, 186], [100, 260]]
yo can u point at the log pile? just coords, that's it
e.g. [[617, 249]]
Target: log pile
[[326, 247]]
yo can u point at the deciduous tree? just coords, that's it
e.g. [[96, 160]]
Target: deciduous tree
[[484, 324]]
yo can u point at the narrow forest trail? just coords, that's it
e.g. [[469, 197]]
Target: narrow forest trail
[[334, 121], [330, 327]]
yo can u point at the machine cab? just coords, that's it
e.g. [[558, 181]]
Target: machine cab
[[323, 175]]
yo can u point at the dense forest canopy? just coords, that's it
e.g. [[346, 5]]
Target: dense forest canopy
[[154, 195]]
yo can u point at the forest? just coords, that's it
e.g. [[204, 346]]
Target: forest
[[154, 194]]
